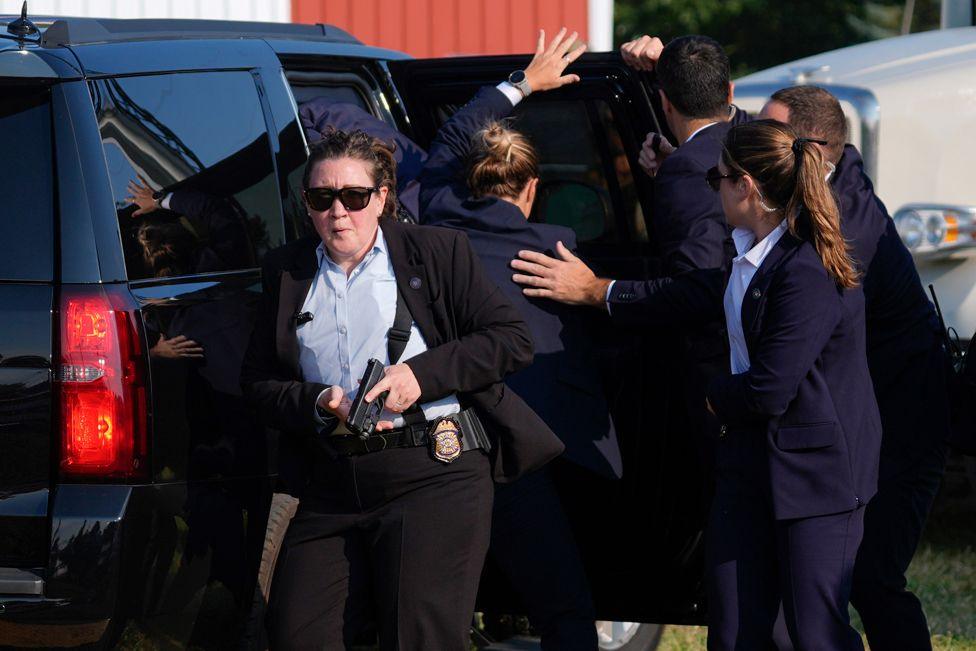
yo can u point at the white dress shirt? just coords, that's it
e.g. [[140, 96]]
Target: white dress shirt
[[744, 266], [351, 318]]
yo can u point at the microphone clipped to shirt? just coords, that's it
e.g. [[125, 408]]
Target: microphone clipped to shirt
[[301, 318]]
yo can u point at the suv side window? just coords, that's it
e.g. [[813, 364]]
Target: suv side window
[[199, 140], [27, 219], [585, 178]]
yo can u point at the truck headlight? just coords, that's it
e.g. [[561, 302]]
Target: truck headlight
[[929, 229]]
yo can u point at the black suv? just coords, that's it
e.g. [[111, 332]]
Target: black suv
[[134, 483]]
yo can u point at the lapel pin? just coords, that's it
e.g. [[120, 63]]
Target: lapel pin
[[415, 283], [756, 293]]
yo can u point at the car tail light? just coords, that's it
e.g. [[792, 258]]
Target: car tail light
[[102, 381]]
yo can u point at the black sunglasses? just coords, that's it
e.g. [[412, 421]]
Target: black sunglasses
[[353, 198], [714, 178]]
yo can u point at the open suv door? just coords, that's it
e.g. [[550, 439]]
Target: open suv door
[[641, 536]]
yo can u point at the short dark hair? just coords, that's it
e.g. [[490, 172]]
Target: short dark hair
[[377, 154], [694, 73], [816, 113]]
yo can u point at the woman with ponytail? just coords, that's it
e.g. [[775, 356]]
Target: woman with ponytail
[[797, 457]]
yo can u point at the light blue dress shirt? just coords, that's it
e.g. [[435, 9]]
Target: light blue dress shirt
[[351, 318], [744, 266]]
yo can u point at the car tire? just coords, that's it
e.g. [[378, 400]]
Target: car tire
[[283, 507], [626, 636]]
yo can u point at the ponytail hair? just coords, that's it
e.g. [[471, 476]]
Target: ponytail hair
[[501, 161], [791, 173]]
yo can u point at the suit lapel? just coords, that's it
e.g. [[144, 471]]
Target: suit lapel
[[756, 292], [412, 281], [293, 288]]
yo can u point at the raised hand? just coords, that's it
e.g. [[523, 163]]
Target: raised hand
[[545, 71], [642, 53], [141, 195]]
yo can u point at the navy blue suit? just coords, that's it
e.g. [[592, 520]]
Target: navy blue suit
[[531, 539], [321, 113], [908, 365], [796, 462]]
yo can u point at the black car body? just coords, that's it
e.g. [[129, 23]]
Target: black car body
[[135, 486]]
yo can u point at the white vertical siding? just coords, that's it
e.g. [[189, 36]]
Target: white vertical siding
[[261, 10]]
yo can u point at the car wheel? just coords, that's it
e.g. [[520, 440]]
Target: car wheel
[[628, 636], [283, 507]]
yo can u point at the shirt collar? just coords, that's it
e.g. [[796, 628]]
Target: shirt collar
[[754, 254], [699, 130], [379, 246], [733, 109]]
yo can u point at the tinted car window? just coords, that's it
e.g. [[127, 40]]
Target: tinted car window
[[585, 178], [573, 182], [27, 216], [346, 94], [199, 140]]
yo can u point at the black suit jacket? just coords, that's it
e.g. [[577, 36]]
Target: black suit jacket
[[901, 321], [695, 244], [563, 383], [808, 391], [474, 337]]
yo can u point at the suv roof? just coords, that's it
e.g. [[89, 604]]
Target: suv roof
[[57, 32]]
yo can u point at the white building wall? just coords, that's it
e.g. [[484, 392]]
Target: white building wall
[[259, 10]]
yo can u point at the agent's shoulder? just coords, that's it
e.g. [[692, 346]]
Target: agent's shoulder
[[422, 234], [286, 255]]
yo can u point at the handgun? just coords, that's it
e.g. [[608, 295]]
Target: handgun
[[363, 415]]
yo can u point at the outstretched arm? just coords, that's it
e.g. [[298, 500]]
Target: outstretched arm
[[453, 140]]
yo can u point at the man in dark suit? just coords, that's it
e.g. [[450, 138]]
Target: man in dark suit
[[687, 225], [531, 540], [908, 370], [393, 525]]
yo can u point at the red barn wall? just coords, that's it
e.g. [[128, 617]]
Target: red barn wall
[[436, 28]]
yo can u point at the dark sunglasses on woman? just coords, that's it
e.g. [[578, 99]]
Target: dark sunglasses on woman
[[714, 178], [353, 198]]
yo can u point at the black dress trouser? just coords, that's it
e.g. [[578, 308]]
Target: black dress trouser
[[914, 417], [392, 536], [534, 547], [755, 563]]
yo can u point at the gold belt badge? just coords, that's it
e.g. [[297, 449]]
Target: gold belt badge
[[445, 441]]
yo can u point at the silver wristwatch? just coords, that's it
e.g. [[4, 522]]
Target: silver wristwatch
[[518, 80]]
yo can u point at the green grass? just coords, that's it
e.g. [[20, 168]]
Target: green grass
[[943, 575]]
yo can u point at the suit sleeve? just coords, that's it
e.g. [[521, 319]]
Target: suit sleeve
[[445, 159], [691, 230], [281, 401], [802, 311], [493, 340]]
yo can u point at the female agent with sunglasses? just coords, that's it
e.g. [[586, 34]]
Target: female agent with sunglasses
[[391, 526], [798, 454]]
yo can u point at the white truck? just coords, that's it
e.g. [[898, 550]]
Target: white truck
[[911, 107]]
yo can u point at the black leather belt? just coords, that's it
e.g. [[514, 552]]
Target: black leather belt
[[472, 434]]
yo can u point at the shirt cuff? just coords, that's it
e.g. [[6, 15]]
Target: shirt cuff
[[315, 408], [609, 290], [164, 202], [513, 94]]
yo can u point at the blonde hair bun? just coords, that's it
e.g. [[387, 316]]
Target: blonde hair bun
[[500, 162]]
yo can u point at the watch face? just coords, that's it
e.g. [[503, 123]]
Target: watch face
[[516, 77]]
